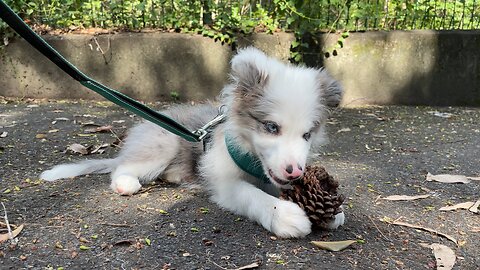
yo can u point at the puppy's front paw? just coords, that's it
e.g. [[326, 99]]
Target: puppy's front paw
[[289, 220]]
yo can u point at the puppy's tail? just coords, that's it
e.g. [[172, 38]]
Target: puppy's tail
[[96, 166]]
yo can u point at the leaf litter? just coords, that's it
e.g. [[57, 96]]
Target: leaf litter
[[87, 150], [441, 114], [344, 130], [474, 208], [444, 256], [464, 205], [333, 245], [405, 197], [10, 234], [249, 266], [99, 129], [451, 178], [13, 234], [78, 148]]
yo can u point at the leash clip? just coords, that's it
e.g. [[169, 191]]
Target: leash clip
[[203, 131]]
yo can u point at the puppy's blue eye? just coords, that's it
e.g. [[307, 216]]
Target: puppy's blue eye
[[271, 127], [307, 136]]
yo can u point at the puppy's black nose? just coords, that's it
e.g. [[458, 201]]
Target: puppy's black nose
[[289, 169], [292, 172]]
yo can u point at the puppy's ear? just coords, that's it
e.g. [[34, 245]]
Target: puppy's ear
[[249, 70], [331, 89]]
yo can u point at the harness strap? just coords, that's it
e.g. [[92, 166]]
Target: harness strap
[[246, 161], [15, 22]]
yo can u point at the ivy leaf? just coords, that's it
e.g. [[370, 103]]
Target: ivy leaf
[[82, 247], [290, 20], [295, 44], [298, 58]]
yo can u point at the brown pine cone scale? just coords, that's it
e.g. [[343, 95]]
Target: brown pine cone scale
[[316, 193]]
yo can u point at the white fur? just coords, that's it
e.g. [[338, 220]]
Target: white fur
[[262, 89], [80, 168]]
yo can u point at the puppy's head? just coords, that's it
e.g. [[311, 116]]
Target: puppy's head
[[278, 111]]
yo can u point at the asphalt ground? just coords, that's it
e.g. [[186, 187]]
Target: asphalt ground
[[373, 151]]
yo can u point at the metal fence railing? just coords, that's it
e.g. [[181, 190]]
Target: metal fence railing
[[248, 15], [407, 15]]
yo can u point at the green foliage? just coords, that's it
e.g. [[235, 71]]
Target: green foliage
[[174, 95], [246, 16], [224, 20]]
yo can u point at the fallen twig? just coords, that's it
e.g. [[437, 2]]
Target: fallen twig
[[99, 48], [3, 224], [116, 225], [378, 229], [405, 197], [419, 227], [10, 234], [145, 190]]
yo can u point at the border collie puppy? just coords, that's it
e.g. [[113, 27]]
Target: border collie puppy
[[274, 115]]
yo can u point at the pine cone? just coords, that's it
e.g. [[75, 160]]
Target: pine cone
[[316, 193]]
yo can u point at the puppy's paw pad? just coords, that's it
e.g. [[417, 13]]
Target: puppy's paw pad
[[289, 220], [125, 185]]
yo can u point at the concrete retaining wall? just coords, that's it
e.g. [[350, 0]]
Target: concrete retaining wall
[[418, 67]]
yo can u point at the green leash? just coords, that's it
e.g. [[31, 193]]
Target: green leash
[[15, 22], [245, 161]]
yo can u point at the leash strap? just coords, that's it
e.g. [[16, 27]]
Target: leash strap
[[15, 22]]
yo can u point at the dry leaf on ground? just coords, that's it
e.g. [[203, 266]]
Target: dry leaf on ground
[[87, 150], [62, 119], [451, 178], [99, 129], [441, 114], [40, 136], [419, 227], [379, 118], [465, 205], [100, 149], [6, 236], [250, 266], [444, 255], [344, 130], [333, 245], [405, 197], [78, 148], [3, 134], [474, 208]]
